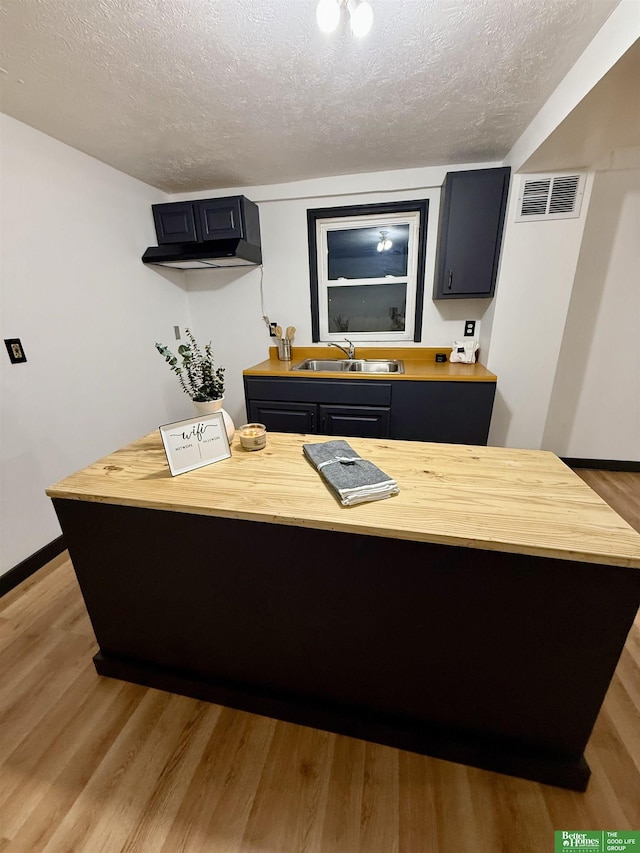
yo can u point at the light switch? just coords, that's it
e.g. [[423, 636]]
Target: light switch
[[14, 348]]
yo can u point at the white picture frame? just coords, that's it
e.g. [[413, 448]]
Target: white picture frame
[[195, 442]]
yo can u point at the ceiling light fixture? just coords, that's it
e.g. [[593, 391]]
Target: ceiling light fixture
[[384, 243], [360, 15]]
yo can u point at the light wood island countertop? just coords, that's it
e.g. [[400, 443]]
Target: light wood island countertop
[[419, 364], [500, 499]]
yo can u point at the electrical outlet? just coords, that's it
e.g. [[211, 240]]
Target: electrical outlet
[[176, 332], [272, 329], [469, 328]]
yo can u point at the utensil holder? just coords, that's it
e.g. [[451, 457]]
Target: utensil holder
[[284, 350]]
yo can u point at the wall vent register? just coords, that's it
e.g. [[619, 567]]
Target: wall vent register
[[550, 197]]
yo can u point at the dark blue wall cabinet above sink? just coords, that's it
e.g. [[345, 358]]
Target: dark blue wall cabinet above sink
[[472, 211], [207, 233]]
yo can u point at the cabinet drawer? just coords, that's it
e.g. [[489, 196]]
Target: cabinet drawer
[[363, 421], [284, 417], [366, 393]]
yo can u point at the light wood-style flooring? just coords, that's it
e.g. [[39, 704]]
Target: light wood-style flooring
[[89, 764]]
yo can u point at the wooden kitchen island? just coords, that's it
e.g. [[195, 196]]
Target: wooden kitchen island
[[478, 616]]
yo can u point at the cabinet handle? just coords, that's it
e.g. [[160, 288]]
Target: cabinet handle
[[450, 282]]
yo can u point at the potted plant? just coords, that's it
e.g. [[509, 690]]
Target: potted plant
[[198, 376]]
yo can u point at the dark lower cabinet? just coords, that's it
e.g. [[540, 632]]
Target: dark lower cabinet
[[453, 412], [283, 417], [365, 421]]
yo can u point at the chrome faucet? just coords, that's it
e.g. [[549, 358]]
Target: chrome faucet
[[350, 353]]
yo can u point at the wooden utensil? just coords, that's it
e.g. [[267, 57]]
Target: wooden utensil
[[279, 332], [291, 330]]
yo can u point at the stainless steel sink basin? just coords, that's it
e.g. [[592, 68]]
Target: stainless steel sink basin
[[333, 364], [377, 365], [355, 365]]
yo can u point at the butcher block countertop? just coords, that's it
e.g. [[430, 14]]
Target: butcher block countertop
[[516, 501], [419, 364]]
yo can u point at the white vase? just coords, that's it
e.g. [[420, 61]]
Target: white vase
[[216, 406]]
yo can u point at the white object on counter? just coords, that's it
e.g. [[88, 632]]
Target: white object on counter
[[464, 351]]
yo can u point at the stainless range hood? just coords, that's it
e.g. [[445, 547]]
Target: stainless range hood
[[206, 234]]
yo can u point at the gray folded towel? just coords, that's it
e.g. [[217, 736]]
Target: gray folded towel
[[353, 479]]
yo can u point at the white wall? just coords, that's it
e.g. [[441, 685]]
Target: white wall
[[539, 259], [595, 405], [226, 305], [88, 312], [532, 299]]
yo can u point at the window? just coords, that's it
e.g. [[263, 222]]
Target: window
[[367, 266]]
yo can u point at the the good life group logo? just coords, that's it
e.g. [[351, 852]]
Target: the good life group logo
[[597, 841]]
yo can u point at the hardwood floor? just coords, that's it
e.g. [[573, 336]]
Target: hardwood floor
[[620, 489], [89, 764]]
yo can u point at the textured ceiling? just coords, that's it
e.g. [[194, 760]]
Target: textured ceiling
[[201, 94]]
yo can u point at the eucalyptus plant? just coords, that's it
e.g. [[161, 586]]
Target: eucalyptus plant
[[197, 373]]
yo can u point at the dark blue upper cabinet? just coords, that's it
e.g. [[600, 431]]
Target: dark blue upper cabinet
[[472, 214], [230, 218], [175, 223], [219, 218]]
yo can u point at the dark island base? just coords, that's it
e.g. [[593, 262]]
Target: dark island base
[[485, 753], [487, 658]]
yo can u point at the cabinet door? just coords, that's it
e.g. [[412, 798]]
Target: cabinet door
[[362, 421], [470, 233], [283, 417], [175, 223], [452, 412], [219, 218]]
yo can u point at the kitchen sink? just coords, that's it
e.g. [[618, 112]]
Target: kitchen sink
[[377, 365], [352, 365], [332, 364]]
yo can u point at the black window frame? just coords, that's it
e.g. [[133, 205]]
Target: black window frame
[[314, 214]]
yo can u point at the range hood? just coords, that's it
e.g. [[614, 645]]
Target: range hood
[[200, 256], [206, 234]]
